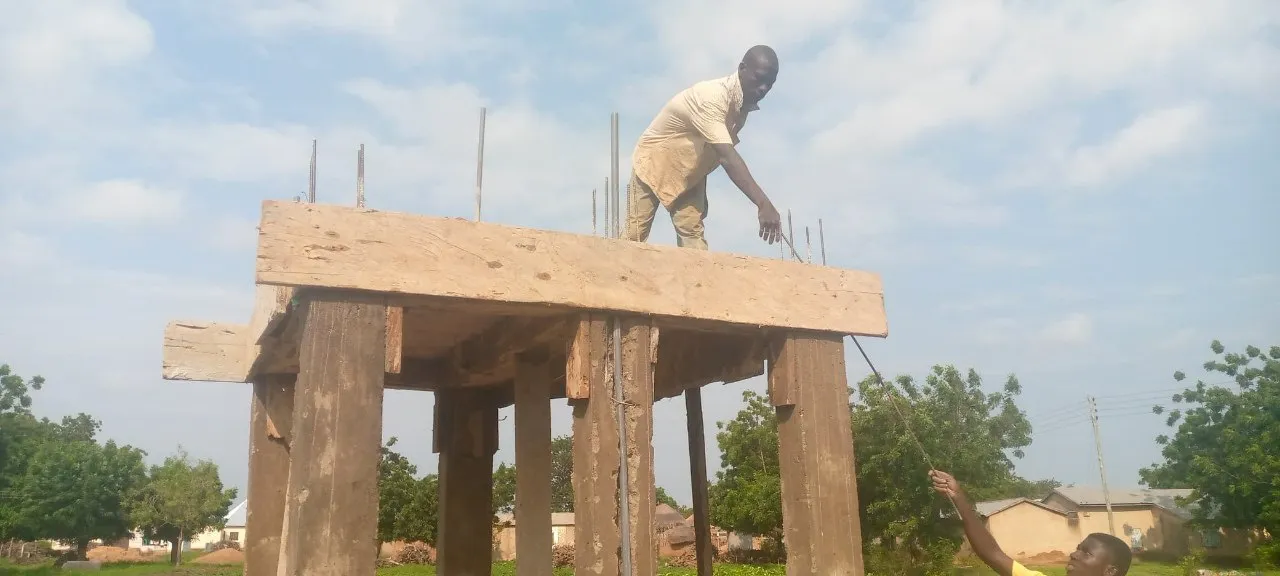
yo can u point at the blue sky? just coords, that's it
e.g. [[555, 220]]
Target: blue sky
[[1076, 193]]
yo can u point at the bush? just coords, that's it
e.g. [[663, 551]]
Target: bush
[[1266, 556], [224, 544], [562, 556]]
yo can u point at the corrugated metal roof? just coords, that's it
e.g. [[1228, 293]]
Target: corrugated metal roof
[[1164, 498], [238, 517]]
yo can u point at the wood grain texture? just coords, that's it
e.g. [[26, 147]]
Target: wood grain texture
[[206, 352], [585, 357], [595, 474], [533, 467], [332, 507], [271, 412], [815, 453], [340, 247], [395, 339]]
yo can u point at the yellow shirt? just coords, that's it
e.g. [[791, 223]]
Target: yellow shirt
[[674, 153], [1020, 570]]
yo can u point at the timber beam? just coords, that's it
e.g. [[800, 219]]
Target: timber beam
[[394, 253]]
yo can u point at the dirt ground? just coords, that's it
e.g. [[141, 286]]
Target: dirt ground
[[114, 554], [223, 556]]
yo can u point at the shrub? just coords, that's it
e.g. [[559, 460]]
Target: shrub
[[562, 556], [415, 553]]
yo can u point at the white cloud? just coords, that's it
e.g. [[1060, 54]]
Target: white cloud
[[1071, 330], [53, 52], [1153, 134], [122, 202]]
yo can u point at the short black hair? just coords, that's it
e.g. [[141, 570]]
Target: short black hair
[[1117, 550]]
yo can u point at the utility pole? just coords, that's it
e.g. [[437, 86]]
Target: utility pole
[[1102, 471]]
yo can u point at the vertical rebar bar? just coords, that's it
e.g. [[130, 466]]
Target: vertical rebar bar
[[808, 247], [593, 211], [608, 216], [624, 484], [791, 236], [311, 184], [480, 162], [822, 243], [360, 178]]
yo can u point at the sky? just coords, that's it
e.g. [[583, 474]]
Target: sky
[[1076, 193]]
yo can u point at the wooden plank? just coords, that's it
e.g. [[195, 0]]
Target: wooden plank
[[784, 380], [585, 356], [468, 440], [533, 466], [353, 248], [331, 521], [698, 477], [271, 418], [639, 352], [395, 338], [815, 451], [689, 359], [490, 356], [205, 352]]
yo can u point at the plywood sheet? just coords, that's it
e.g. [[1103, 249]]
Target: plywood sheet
[[353, 248], [206, 351]]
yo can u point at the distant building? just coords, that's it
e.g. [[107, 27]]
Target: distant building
[[1048, 530]]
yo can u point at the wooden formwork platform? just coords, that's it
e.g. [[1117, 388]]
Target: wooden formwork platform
[[472, 311]]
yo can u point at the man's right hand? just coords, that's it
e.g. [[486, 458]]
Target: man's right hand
[[770, 222], [944, 483]]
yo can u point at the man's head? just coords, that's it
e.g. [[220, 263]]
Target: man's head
[[1100, 555], [757, 72]]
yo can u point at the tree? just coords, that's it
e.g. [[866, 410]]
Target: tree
[[21, 433], [179, 500], [408, 507], [966, 431], [79, 491], [562, 474], [504, 489], [504, 479], [746, 496], [665, 498], [1226, 447]]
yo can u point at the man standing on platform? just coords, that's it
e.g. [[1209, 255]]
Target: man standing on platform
[[693, 134]]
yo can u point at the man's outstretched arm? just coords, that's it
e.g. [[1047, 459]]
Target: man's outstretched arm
[[736, 168], [983, 543]]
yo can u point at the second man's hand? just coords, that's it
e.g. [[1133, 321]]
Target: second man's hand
[[944, 483], [770, 222]]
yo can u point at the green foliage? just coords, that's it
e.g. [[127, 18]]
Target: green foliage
[[972, 434], [562, 474], [408, 507], [665, 498], [1227, 444], [77, 491], [966, 431], [747, 496], [504, 479], [504, 489], [15, 391], [181, 499]]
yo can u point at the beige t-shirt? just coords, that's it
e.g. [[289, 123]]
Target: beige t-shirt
[[674, 152]]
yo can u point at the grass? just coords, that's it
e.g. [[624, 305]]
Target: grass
[[508, 569]]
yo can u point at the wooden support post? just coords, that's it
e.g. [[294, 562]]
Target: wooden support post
[[595, 458], [270, 419], [533, 466], [815, 450], [639, 352], [331, 520], [698, 477], [466, 438]]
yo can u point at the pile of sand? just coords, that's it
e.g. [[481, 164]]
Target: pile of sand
[[106, 554], [223, 556]]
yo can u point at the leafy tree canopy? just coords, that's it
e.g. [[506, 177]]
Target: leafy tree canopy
[[408, 506], [966, 431], [181, 499], [1226, 446], [77, 491]]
